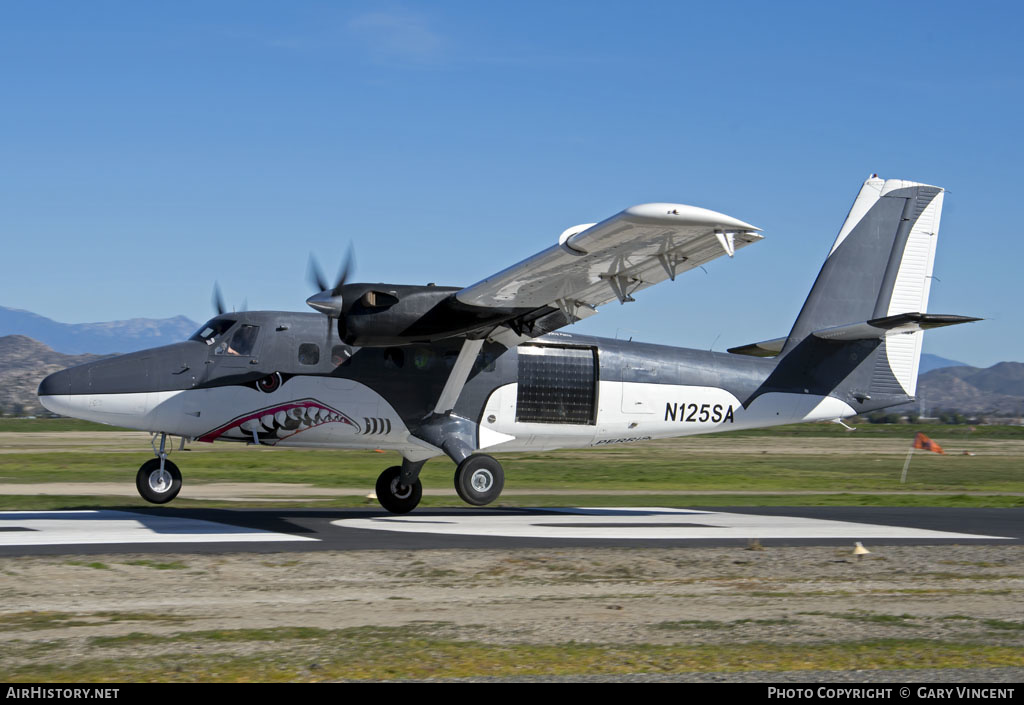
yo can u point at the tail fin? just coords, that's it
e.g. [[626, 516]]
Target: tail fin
[[858, 336]]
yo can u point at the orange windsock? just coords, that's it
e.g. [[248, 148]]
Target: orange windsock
[[923, 442]]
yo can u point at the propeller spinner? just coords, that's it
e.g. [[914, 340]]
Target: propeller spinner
[[328, 299]]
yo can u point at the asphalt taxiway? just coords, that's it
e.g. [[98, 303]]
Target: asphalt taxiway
[[166, 529]]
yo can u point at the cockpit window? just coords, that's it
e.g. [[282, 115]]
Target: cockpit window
[[211, 330], [242, 342]]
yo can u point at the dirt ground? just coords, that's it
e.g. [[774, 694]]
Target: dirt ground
[[56, 607]]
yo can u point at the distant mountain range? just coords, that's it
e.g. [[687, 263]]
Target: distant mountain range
[[97, 338], [934, 362], [971, 390]]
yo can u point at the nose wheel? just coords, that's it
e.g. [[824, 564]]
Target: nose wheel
[[158, 485], [479, 480]]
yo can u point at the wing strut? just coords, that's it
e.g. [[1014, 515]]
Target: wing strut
[[459, 375], [455, 436]]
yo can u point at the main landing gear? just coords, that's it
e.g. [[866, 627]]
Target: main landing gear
[[159, 480], [479, 480], [396, 497]]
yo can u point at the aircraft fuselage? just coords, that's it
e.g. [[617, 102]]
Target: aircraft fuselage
[[295, 386]]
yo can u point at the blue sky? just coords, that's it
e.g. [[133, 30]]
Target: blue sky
[[149, 149]]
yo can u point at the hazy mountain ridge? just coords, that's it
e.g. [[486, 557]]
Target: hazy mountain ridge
[[998, 389], [96, 338], [23, 365], [931, 362]]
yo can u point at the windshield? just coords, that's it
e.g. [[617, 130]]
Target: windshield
[[211, 330]]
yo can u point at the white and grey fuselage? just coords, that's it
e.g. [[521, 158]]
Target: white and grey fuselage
[[295, 389]]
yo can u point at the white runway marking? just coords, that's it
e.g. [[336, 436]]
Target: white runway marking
[[48, 528], [644, 523]]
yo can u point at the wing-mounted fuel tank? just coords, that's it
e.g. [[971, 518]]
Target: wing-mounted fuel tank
[[377, 315]]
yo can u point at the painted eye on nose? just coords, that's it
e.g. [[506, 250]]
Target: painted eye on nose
[[270, 383]]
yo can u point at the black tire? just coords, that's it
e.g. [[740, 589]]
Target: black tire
[[479, 480], [151, 489], [394, 497]]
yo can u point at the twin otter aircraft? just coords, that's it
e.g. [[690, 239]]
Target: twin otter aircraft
[[430, 370]]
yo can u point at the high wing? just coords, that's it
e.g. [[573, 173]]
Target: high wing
[[596, 263]]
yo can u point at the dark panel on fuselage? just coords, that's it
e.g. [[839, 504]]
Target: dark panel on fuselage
[[557, 384]]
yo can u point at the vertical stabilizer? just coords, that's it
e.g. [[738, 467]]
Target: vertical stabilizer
[[858, 335]]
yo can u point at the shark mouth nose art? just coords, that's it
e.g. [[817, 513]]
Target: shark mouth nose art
[[281, 421]]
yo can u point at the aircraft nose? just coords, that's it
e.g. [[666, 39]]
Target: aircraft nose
[[57, 392], [106, 390], [55, 384]]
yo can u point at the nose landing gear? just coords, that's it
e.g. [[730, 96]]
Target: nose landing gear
[[159, 480], [157, 484]]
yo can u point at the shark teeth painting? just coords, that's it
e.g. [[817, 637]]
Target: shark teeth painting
[[279, 422]]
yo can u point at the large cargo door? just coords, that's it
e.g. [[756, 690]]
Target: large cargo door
[[557, 385]]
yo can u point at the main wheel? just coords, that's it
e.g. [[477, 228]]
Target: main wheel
[[394, 496], [479, 480], [155, 486]]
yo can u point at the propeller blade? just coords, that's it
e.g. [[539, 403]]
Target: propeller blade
[[218, 300], [315, 275], [346, 269], [327, 299]]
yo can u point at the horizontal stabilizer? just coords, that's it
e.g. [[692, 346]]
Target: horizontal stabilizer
[[866, 330], [891, 325], [766, 348]]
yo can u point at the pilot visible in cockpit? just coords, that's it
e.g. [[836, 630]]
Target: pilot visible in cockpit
[[241, 343]]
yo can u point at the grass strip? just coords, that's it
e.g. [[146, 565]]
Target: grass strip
[[657, 465], [390, 654], [32, 621]]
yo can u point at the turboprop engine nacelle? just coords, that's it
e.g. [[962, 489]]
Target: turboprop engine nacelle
[[380, 315]]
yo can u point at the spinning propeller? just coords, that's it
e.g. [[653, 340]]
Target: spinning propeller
[[328, 300], [218, 301]]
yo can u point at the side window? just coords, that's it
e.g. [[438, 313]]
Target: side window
[[309, 353], [394, 358], [242, 342], [423, 358], [340, 354]]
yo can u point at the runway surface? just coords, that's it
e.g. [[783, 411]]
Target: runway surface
[[166, 529]]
